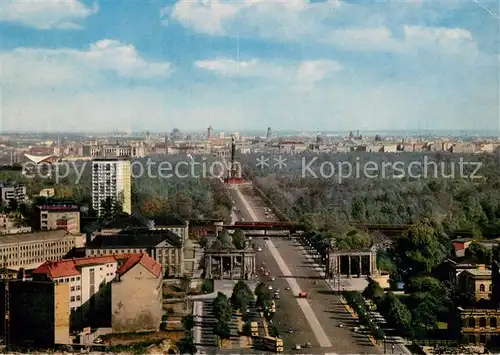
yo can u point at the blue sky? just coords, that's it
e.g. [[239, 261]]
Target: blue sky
[[70, 65]]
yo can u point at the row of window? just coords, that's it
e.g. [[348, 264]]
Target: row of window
[[75, 298], [481, 322], [67, 279]]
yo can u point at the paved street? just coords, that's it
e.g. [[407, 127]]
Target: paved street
[[323, 303]]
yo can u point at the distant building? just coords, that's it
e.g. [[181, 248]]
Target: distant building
[[29, 250], [163, 246], [111, 179], [39, 313], [12, 191], [56, 214], [9, 225]]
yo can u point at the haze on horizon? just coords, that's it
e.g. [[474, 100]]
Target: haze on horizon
[[238, 66]]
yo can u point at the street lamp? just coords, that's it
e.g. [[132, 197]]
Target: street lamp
[[385, 348], [393, 348]]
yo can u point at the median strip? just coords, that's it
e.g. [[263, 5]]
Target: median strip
[[315, 325]]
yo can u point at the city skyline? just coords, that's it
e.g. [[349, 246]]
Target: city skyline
[[307, 66]]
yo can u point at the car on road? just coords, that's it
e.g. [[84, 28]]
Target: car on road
[[270, 287], [266, 238], [266, 273], [242, 219], [303, 294], [273, 278], [298, 347], [259, 249]]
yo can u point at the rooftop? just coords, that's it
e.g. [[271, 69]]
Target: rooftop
[[144, 259], [125, 220], [169, 221], [71, 267], [33, 237], [138, 238]]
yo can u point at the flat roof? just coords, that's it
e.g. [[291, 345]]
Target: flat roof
[[33, 237]]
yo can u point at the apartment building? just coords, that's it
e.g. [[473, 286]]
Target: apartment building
[[111, 179], [59, 214], [12, 191], [29, 250], [164, 246], [86, 278], [121, 291]]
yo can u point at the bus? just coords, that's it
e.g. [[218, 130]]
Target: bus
[[273, 344], [254, 329]]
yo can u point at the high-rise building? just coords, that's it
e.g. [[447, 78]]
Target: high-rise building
[[209, 133], [269, 133], [111, 179]]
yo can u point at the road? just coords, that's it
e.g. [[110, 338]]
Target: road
[[323, 314]]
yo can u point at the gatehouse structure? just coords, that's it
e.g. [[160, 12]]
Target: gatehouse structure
[[351, 262], [224, 261], [232, 264]]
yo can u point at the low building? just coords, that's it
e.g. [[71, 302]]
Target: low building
[[475, 284], [39, 313], [479, 326], [164, 246], [59, 214], [29, 250]]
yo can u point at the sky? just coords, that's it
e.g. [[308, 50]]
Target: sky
[[328, 65]]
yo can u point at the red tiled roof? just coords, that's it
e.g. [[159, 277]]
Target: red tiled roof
[[70, 267], [66, 268], [144, 259]]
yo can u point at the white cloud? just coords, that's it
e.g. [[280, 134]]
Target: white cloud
[[42, 68], [45, 15], [301, 73], [340, 24]]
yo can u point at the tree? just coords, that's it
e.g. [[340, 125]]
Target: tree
[[185, 283], [188, 323], [479, 253], [239, 239], [397, 314], [221, 329], [222, 307], [374, 292], [186, 345], [203, 242], [417, 252]]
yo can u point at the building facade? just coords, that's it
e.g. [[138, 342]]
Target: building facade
[[11, 191], [59, 215], [475, 284], [29, 250], [111, 179], [136, 296]]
